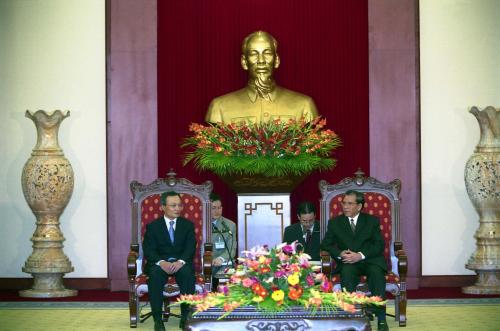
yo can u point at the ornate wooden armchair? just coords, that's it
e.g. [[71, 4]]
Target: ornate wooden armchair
[[145, 209], [381, 200]]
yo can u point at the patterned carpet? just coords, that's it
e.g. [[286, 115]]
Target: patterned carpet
[[433, 314]]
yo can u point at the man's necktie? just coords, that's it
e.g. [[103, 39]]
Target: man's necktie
[[308, 237], [171, 231], [353, 226]]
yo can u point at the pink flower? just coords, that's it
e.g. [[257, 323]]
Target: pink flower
[[309, 280], [326, 286], [319, 277], [247, 282], [288, 249]]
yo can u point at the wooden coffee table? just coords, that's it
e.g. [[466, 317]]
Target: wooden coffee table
[[295, 319]]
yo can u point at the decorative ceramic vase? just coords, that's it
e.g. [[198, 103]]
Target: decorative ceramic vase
[[47, 182], [482, 180]]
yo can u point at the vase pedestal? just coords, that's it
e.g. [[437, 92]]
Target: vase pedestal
[[487, 282], [48, 286], [482, 180]]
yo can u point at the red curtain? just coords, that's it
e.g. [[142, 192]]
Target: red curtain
[[323, 45]]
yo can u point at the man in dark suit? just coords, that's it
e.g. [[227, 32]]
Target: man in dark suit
[[306, 232], [169, 247], [355, 242]]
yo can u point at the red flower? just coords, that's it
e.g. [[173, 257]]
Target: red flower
[[260, 290], [326, 286], [295, 293]]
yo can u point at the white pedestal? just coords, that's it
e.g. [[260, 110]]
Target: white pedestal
[[262, 219]]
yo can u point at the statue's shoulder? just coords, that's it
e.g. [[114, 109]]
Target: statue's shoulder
[[285, 93], [231, 100], [235, 95]]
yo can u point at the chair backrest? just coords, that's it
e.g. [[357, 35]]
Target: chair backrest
[[381, 200], [146, 204]]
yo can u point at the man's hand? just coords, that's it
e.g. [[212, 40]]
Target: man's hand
[[217, 262], [176, 266], [350, 257], [171, 267]]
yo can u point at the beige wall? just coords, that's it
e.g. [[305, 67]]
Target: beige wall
[[53, 57], [460, 68]]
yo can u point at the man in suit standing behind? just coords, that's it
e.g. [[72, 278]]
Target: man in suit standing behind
[[306, 232], [169, 247], [355, 242]]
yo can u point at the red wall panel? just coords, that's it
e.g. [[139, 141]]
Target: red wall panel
[[323, 45]]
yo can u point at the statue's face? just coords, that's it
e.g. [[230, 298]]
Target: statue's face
[[260, 59]]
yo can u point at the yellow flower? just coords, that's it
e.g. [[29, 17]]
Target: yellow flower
[[315, 293], [262, 259], [293, 279], [278, 295], [257, 299]]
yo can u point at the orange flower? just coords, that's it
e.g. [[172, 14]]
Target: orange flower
[[347, 307], [295, 293], [260, 290], [263, 293], [230, 306], [315, 301]]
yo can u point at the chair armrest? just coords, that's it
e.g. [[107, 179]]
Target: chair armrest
[[132, 262], [326, 263], [207, 262], [402, 260]]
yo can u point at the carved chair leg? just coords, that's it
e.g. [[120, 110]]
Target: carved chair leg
[[402, 307], [133, 303], [166, 309], [397, 300]]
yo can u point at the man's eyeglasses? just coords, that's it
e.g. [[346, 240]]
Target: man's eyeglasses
[[348, 203]]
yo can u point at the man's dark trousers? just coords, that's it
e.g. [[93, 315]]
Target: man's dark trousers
[[184, 277]]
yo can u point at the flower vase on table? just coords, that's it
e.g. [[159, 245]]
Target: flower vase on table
[[262, 163], [275, 284]]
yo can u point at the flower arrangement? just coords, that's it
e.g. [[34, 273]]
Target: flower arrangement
[[275, 280], [276, 148]]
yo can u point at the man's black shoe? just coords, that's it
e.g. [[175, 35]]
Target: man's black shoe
[[382, 326], [159, 325]]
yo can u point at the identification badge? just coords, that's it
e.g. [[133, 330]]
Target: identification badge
[[219, 245]]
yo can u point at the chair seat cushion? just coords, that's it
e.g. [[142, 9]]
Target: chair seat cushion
[[391, 278], [171, 288]]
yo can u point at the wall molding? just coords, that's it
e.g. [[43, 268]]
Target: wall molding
[[72, 283], [447, 280]]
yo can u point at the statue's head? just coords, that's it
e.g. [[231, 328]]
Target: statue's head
[[260, 55]]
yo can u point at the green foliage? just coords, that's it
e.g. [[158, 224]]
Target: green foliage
[[272, 149]]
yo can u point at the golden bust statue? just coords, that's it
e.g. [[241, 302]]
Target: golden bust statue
[[261, 100]]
